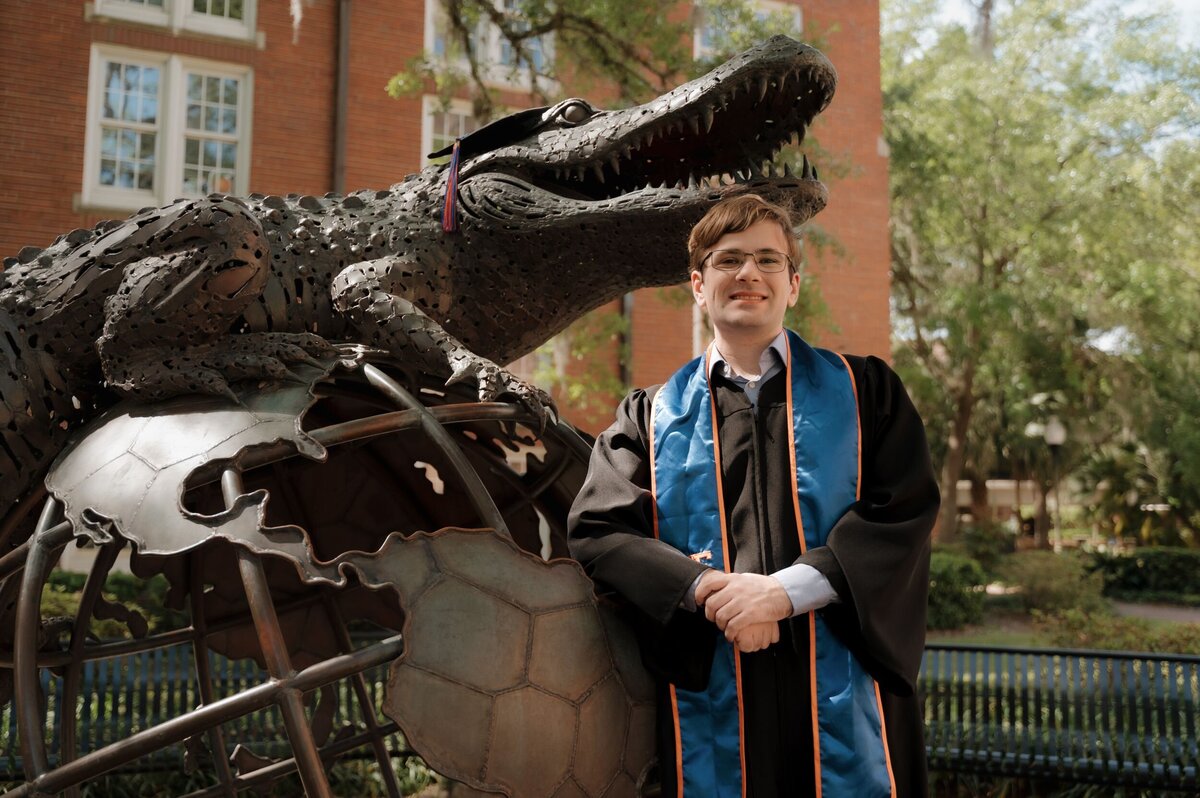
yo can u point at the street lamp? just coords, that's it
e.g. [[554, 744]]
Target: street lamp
[[1055, 435]]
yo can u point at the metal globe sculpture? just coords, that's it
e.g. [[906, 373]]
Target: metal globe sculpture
[[356, 494]]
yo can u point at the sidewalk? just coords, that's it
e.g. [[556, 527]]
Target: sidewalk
[[1157, 612]]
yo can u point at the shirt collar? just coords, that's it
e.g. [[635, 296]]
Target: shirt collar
[[775, 353]]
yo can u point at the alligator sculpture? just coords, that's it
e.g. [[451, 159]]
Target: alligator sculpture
[[560, 213]]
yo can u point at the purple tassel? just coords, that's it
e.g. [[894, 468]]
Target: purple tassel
[[450, 206]]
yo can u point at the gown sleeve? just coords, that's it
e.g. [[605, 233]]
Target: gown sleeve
[[610, 531], [877, 555]]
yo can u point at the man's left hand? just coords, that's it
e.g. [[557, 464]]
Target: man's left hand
[[742, 600]]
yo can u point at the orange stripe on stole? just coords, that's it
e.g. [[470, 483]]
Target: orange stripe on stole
[[737, 656]]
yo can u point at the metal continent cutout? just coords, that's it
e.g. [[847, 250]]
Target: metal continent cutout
[[514, 678]]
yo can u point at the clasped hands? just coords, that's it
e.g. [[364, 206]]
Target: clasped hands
[[746, 607]]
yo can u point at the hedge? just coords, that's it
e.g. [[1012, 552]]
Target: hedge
[[1154, 573], [956, 591]]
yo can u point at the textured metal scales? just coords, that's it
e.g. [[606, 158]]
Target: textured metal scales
[[179, 370]]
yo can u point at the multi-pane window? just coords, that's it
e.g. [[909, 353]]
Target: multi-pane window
[[129, 125], [162, 126], [713, 23], [230, 9], [211, 134], [494, 52], [233, 19], [443, 125]]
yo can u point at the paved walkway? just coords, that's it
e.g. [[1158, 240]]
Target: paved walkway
[[1158, 612]]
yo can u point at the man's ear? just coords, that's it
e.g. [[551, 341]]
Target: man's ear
[[794, 289], [697, 280]]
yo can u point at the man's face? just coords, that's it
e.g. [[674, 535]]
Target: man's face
[[747, 301]]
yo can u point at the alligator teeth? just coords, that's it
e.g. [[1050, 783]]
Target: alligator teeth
[[580, 171], [814, 174], [787, 169], [615, 163], [733, 90], [691, 180], [599, 170], [707, 111], [762, 88], [805, 169]]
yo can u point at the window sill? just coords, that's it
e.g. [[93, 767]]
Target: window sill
[[150, 21]]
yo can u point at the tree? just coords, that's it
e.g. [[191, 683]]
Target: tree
[[1028, 178], [634, 49]]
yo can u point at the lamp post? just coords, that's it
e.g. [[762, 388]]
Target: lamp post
[[1055, 435]]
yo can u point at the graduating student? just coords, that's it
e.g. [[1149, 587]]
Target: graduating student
[[767, 512]]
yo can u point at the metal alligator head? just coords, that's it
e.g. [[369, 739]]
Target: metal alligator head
[[664, 163]]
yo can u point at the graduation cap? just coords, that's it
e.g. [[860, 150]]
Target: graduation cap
[[493, 135]]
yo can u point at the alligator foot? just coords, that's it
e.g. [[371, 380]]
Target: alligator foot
[[494, 383], [161, 372]]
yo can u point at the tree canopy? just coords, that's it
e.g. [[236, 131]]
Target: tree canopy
[[1045, 253]]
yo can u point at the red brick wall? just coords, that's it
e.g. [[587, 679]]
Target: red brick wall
[[43, 88], [856, 284], [43, 91]]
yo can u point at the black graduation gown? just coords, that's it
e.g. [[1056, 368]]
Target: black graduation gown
[[876, 558]]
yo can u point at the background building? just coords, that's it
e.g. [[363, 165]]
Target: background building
[[109, 106]]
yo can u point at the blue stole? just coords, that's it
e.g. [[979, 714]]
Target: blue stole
[[849, 740]]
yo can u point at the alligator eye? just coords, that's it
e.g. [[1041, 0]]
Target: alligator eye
[[575, 113]]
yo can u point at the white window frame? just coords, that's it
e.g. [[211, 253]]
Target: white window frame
[[766, 6], [495, 73], [178, 16], [172, 126], [431, 105]]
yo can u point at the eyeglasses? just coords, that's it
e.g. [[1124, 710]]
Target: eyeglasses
[[730, 260]]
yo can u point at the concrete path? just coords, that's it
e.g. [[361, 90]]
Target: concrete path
[[1158, 612]]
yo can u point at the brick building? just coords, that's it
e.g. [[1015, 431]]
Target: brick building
[[108, 106]]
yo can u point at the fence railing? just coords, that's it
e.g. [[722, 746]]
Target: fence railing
[[125, 694], [1100, 717]]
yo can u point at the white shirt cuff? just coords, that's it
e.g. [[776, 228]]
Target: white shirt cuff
[[806, 586]]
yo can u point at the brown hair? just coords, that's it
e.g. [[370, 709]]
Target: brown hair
[[734, 215]]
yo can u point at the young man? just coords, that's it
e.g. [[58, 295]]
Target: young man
[[767, 512]]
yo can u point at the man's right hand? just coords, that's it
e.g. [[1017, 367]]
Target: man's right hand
[[756, 636]]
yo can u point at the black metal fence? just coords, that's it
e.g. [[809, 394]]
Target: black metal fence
[[1097, 717], [125, 694]]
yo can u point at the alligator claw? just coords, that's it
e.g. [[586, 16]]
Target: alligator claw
[[160, 373], [496, 383]]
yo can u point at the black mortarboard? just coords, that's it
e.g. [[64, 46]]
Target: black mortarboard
[[505, 130]]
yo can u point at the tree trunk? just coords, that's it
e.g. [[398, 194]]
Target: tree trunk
[[1041, 517], [952, 466], [981, 508]]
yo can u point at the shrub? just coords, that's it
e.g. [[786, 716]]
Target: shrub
[[147, 597], [987, 542], [956, 591], [1078, 629], [1054, 582], [1151, 573]]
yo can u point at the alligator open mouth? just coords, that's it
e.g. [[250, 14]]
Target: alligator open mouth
[[721, 129]]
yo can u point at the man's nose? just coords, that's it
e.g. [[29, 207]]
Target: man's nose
[[749, 269]]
